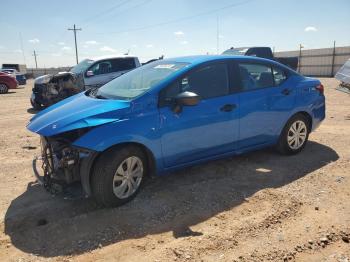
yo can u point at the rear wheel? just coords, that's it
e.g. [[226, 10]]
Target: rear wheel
[[294, 135], [118, 175], [3, 88]]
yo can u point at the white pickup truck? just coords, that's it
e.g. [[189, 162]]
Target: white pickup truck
[[97, 72], [89, 73], [343, 75]]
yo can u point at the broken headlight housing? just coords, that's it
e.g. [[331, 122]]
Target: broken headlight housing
[[60, 161], [43, 79]]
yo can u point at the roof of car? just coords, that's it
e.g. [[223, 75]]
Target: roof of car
[[207, 58], [112, 56], [4, 74], [199, 59]]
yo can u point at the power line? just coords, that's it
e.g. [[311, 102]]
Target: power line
[[179, 19], [74, 29], [21, 42], [128, 9], [92, 18], [89, 19]]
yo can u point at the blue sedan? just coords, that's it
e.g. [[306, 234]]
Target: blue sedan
[[170, 114]]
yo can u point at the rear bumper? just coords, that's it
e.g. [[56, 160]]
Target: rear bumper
[[13, 85], [319, 113], [22, 82], [21, 79]]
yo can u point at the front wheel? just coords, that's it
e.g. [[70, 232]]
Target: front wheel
[[294, 135], [118, 175], [36, 106]]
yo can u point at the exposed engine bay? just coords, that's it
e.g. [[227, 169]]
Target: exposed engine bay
[[60, 164], [50, 89]]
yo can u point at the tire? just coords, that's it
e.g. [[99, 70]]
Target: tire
[[3, 88], [36, 105], [302, 126], [111, 179]]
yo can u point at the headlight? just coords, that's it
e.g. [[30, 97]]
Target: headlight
[[43, 79]]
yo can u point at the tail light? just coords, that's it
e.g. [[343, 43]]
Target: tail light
[[320, 88]]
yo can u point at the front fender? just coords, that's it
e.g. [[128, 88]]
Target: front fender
[[141, 128]]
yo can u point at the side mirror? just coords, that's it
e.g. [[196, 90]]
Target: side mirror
[[89, 73], [185, 99]]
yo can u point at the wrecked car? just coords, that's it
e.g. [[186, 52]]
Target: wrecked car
[[170, 114], [89, 73], [343, 75]]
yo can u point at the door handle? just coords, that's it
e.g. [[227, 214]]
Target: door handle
[[286, 91], [228, 107]]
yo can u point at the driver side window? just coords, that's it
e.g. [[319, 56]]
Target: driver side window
[[208, 82], [103, 67]]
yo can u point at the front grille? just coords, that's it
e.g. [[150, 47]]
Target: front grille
[[39, 90]]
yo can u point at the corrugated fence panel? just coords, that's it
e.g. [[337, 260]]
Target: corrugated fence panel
[[35, 72], [319, 62], [313, 62]]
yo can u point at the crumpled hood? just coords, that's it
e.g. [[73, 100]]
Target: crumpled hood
[[44, 79], [75, 112]]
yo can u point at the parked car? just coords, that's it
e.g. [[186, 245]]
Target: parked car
[[343, 75], [174, 113], [7, 82], [10, 72], [21, 78], [18, 67], [89, 73], [263, 52]]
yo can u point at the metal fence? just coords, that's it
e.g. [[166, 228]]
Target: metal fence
[[35, 72], [319, 62], [312, 62]]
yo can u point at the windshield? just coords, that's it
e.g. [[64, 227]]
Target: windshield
[[344, 73], [82, 66], [8, 70], [235, 51], [138, 81]]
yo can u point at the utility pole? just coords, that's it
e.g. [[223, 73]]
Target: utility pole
[[217, 34], [36, 63], [300, 47], [333, 60], [74, 29], [21, 42]]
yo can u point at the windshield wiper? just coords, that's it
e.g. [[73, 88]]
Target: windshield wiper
[[93, 92], [100, 97]]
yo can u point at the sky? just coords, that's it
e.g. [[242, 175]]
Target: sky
[[151, 28]]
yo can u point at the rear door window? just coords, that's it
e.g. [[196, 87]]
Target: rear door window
[[122, 64], [255, 76], [279, 76], [102, 67]]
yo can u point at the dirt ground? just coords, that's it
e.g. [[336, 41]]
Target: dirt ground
[[259, 206]]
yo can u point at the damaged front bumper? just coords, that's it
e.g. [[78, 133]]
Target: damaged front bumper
[[62, 165]]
